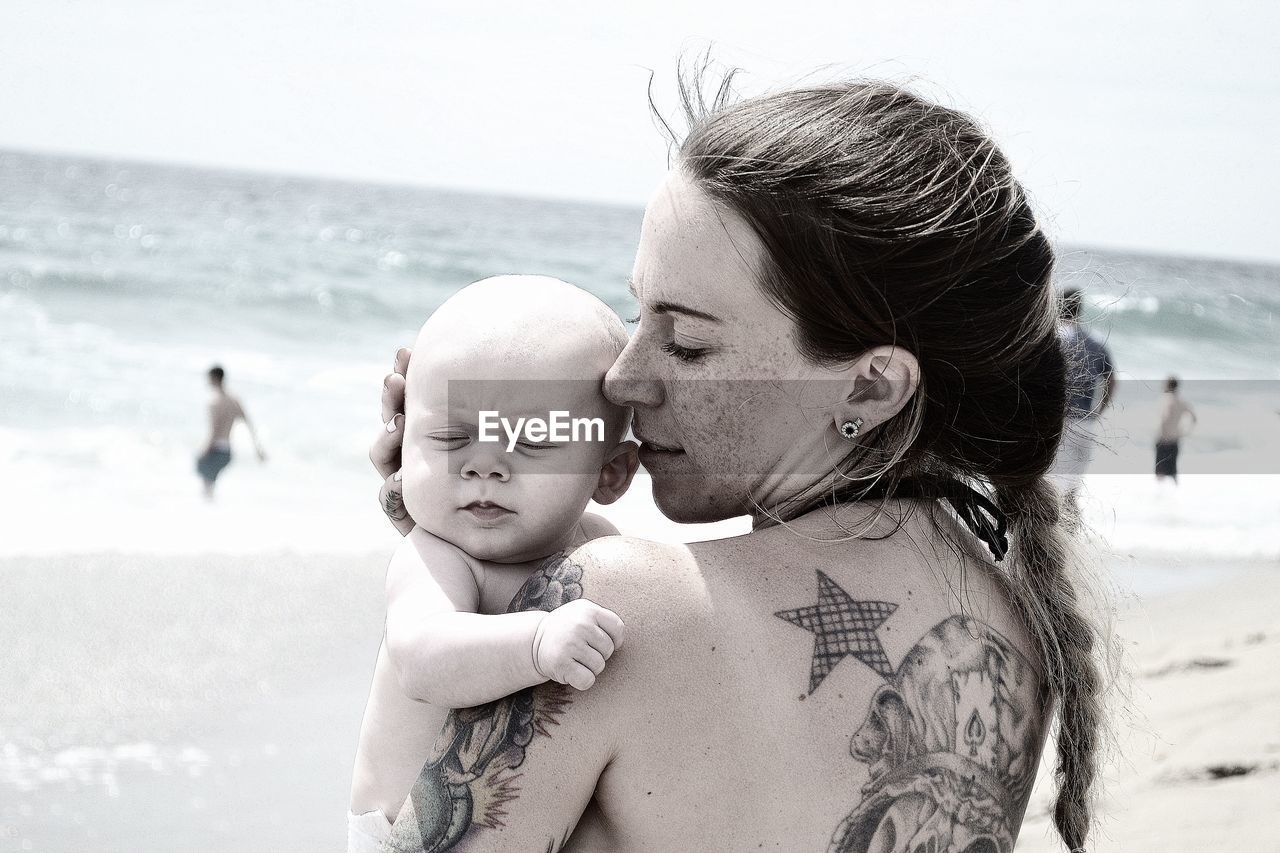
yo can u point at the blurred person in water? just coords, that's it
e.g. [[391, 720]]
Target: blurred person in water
[[1089, 369], [224, 411], [1173, 412]]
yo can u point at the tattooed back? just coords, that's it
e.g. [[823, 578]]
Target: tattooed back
[[775, 692]]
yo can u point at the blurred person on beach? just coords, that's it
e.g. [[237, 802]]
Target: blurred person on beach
[[487, 516], [1173, 412], [1089, 368], [847, 332], [224, 411]]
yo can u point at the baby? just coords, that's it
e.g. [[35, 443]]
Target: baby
[[487, 513]]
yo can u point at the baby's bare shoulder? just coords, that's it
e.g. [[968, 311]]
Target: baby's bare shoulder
[[594, 526], [422, 554]]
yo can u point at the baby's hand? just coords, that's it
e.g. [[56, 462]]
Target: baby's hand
[[573, 642]]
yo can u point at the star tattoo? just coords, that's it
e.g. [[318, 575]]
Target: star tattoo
[[841, 627]]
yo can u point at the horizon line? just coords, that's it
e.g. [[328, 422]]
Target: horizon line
[[408, 183]]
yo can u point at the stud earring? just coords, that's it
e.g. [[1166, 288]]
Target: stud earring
[[850, 429]]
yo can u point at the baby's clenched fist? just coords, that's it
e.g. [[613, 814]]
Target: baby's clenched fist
[[573, 641]]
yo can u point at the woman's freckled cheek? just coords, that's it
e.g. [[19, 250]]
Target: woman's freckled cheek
[[711, 422]]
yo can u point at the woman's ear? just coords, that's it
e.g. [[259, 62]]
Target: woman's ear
[[883, 380], [616, 473]]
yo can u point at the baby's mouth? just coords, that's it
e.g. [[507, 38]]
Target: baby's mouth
[[487, 510]]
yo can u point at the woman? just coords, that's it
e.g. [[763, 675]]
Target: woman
[[846, 331]]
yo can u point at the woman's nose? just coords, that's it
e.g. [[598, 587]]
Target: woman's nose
[[631, 381]]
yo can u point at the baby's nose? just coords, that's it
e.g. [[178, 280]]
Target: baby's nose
[[485, 464], [481, 472]]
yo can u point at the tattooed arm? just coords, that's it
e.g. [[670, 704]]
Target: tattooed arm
[[447, 654], [516, 774]]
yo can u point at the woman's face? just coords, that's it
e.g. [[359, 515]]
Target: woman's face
[[727, 410]]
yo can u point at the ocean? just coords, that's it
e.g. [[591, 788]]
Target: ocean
[[122, 283]]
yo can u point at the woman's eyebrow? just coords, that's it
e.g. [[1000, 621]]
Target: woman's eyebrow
[[667, 307]]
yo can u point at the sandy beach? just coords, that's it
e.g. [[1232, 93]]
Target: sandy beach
[[212, 703], [179, 703], [1198, 741]]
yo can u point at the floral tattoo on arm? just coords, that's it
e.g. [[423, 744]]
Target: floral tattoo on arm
[[472, 774]]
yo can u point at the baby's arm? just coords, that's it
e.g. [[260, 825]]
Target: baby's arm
[[446, 654]]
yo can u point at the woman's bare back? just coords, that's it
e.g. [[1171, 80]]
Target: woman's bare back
[[833, 694], [774, 693]]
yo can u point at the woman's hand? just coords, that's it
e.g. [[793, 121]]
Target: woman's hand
[[384, 453]]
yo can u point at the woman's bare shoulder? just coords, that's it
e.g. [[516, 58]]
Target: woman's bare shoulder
[[656, 588], [628, 568]]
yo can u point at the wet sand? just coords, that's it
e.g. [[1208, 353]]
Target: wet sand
[[178, 703]]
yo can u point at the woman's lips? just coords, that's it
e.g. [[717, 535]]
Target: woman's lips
[[653, 456], [655, 447], [487, 510]]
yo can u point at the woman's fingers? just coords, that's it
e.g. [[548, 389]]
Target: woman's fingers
[[392, 396], [402, 361], [391, 499], [384, 453]]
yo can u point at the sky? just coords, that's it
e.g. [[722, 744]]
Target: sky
[[1143, 125]]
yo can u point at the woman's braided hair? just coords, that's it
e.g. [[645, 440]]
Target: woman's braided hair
[[888, 219]]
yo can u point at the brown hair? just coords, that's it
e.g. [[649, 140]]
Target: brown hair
[[888, 219]]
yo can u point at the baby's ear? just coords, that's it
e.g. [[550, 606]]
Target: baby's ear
[[616, 473]]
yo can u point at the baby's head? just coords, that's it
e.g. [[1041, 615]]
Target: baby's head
[[507, 348]]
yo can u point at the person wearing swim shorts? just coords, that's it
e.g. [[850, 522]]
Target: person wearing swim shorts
[[1173, 412], [224, 411]]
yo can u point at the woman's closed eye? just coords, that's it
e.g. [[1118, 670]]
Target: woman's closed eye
[[682, 352], [452, 440], [677, 350]]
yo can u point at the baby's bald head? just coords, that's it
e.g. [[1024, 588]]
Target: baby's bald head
[[504, 404], [523, 327]]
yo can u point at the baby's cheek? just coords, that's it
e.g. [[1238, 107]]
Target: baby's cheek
[[416, 485]]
